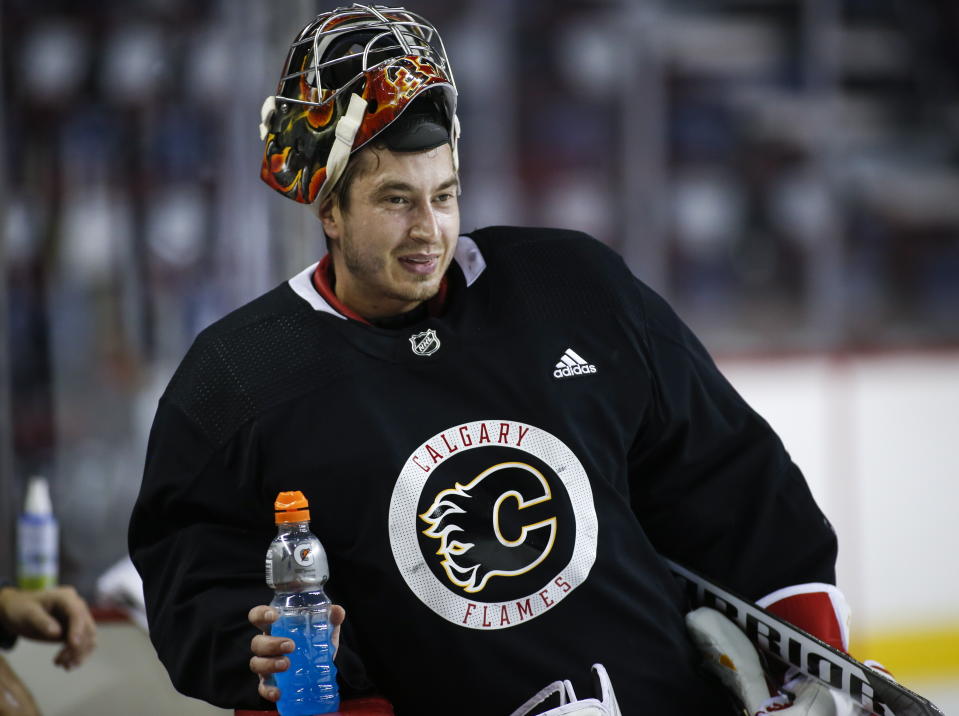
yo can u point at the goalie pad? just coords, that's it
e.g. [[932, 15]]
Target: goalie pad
[[804, 696], [604, 705], [734, 660], [729, 656]]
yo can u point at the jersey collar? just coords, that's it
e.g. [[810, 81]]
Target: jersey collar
[[315, 283]]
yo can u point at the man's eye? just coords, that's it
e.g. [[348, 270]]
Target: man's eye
[[396, 199], [443, 198]]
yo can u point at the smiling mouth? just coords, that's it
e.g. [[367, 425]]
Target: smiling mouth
[[422, 264]]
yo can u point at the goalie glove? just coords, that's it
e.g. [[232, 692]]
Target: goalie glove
[[731, 657], [802, 695], [821, 610], [805, 696], [817, 608]]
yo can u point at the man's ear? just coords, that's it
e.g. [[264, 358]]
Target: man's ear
[[331, 217]]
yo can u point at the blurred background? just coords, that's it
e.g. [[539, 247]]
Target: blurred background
[[785, 172]]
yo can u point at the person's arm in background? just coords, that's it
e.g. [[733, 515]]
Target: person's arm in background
[[53, 615]]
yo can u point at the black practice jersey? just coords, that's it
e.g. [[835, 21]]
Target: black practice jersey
[[493, 486]]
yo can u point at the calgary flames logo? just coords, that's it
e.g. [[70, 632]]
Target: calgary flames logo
[[492, 523], [481, 531]]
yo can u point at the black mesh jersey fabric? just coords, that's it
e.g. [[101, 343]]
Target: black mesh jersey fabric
[[494, 487], [257, 357]]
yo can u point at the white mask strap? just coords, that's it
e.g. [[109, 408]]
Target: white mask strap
[[266, 115], [346, 129], [454, 142]]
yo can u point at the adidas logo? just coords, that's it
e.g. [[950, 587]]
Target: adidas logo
[[572, 364]]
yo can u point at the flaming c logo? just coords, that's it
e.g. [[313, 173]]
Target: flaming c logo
[[451, 522], [492, 523]]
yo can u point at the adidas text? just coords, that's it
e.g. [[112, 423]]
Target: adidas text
[[567, 372]]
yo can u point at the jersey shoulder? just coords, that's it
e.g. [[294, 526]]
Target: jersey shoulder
[[272, 349], [557, 270], [561, 247]]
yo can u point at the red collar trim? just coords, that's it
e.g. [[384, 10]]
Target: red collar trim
[[437, 304], [323, 283]]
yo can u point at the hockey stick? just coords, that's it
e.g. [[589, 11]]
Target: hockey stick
[[867, 687]]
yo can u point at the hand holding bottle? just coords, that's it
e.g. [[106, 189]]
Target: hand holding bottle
[[297, 570], [270, 653]]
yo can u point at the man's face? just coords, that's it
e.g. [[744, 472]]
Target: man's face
[[396, 239]]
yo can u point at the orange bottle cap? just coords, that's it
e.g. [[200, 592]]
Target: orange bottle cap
[[291, 507]]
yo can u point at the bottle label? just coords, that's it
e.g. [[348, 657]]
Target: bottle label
[[295, 562], [37, 552]]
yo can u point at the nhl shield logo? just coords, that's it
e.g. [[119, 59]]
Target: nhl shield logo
[[425, 343]]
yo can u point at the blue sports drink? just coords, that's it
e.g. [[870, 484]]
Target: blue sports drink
[[309, 685], [296, 568]]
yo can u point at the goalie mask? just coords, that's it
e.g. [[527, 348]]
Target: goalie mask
[[349, 75]]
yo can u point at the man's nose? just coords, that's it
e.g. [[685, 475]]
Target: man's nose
[[425, 226]]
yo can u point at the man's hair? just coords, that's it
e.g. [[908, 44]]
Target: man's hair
[[358, 165], [355, 167]]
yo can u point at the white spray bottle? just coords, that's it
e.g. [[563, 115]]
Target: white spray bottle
[[38, 537]]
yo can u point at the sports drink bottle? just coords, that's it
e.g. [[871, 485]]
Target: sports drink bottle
[[37, 539], [296, 569]]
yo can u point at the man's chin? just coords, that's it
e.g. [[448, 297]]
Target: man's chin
[[425, 295], [420, 290]]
